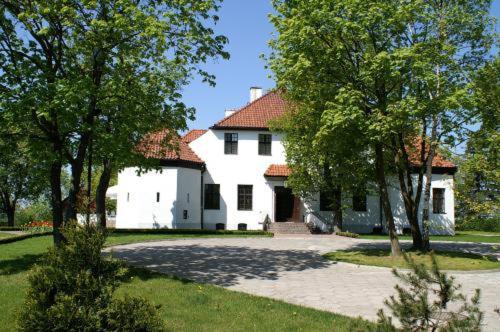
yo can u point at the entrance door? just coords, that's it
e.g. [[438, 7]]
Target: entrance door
[[283, 206]]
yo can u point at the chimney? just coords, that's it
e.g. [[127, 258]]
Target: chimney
[[255, 93], [228, 112]]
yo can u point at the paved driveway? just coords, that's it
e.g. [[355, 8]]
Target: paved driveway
[[292, 269]]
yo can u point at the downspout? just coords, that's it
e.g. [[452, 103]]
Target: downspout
[[201, 196]]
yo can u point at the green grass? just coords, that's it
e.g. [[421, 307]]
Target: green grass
[[447, 260], [185, 306], [463, 236], [4, 235]]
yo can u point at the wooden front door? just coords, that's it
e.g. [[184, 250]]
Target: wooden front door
[[283, 204]]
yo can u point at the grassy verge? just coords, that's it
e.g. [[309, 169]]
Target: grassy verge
[[448, 260], [185, 306], [463, 236], [5, 235]]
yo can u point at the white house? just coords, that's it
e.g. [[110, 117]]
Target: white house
[[234, 174]]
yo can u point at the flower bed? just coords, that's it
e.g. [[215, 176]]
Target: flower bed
[[38, 227]]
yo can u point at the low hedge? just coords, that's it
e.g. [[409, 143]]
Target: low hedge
[[476, 224], [10, 228], [186, 231], [347, 234], [16, 238]]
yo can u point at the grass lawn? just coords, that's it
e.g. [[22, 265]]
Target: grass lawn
[[447, 260], [4, 235], [463, 236], [185, 306]]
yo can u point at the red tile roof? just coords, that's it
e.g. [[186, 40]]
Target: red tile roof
[[255, 115], [278, 170], [438, 160], [153, 146], [193, 134]]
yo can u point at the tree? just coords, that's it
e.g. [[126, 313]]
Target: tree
[[424, 305], [19, 178], [83, 71], [478, 174], [452, 40], [344, 56]]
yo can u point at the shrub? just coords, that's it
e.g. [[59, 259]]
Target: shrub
[[425, 304], [347, 234], [479, 224], [72, 288]]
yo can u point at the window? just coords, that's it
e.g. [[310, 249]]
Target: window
[[128, 197], [265, 144], [244, 197], [157, 197], [231, 143], [325, 202], [438, 200], [184, 214], [212, 197], [359, 200]]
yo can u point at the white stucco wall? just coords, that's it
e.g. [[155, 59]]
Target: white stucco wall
[[246, 167], [141, 210], [188, 198]]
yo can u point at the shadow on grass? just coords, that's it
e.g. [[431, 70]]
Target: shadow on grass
[[19, 264], [144, 274]]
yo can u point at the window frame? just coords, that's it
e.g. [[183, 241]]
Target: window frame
[[245, 199], [265, 144], [438, 201], [214, 200], [230, 143], [157, 197]]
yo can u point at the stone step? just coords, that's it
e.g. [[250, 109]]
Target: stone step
[[289, 228]]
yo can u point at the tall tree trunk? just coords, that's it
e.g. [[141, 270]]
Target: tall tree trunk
[[404, 171], [56, 202], [337, 206], [11, 212], [100, 195], [384, 194], [428, 182]]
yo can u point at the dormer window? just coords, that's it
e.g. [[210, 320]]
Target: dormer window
[[265, 144], [230, 143]]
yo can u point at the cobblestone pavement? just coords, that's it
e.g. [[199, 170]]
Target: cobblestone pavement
[[292, 269]]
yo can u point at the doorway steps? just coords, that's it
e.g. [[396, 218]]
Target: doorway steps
[[289, 227]]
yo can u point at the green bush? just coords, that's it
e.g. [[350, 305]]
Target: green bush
[[72, 289], [478, 224], [347, 234]]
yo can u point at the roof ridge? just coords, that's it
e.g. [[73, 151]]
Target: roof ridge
[[244, 107]]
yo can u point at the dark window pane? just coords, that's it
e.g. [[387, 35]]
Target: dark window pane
[[265, 144], [231, 143], [245, 197], [359, 200], [438, 200], [212, 197], [325, 202], [157, 197]]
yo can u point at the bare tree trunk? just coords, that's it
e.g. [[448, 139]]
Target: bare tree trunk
[[384, 194], [100, 195], [56, 202], [9, 207], [428, 182]]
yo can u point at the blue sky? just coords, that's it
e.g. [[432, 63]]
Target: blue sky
[[246, 24]]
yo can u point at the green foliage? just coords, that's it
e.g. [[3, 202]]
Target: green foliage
[[478, 178], [37, 210], [72, 289], [423, 303], [347, 234], [479, 224]]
